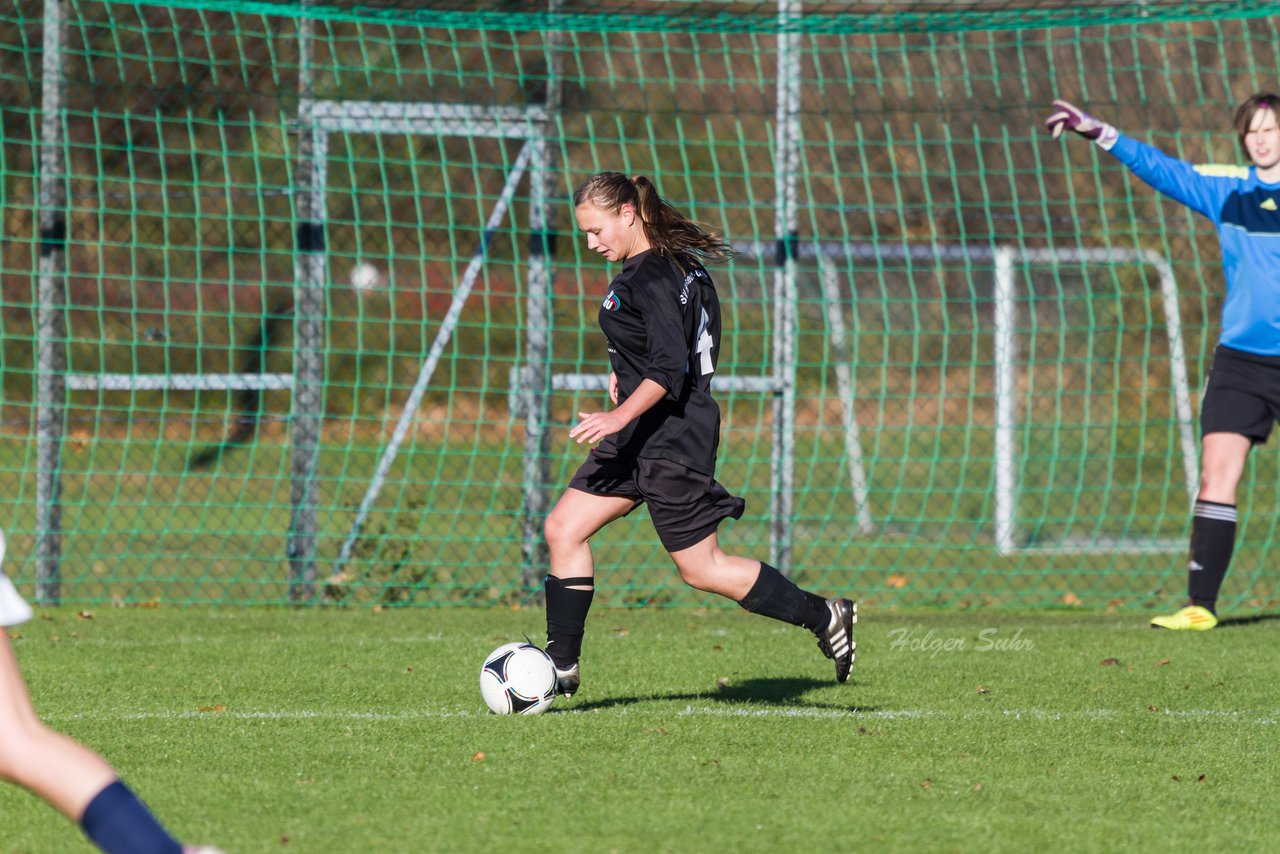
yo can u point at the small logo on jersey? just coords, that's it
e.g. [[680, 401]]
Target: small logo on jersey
[[611, 302], [1268, 205]]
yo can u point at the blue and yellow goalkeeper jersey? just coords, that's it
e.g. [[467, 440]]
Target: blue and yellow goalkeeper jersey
[[1246, 212]]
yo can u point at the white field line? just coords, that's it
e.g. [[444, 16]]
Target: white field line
[[1232, 716], [283, 637]]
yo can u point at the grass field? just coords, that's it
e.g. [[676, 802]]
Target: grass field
[[333, 731]]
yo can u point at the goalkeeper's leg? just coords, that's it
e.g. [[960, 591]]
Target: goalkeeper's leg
[[1213, 531]]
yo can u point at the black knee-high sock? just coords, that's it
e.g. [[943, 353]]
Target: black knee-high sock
[[567, 617], [774, 595], [1213, 538]]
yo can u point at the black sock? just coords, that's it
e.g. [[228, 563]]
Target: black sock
[[1213, 537], [774, 595], [567, 617]]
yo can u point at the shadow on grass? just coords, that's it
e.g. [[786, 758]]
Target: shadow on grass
[[1230, 622], [750, 694]]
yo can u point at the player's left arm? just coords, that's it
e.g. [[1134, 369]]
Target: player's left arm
[[665, 371], [1202, 189], [667, 335]]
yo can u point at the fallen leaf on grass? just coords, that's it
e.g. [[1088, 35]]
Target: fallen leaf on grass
[[897, 580], [1070, 599], [1107, 662], [218, 708], [982, 689], [85, 615], [620, 631], [926, 784], [478, 756], [1162, 662]]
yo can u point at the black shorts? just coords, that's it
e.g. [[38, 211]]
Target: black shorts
[[686, 506], [1242, 395]]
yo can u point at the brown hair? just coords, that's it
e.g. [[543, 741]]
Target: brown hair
[[1246, 111], [670, 232]]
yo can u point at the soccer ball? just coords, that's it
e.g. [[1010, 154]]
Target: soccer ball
[[518, 679], [365, 276]]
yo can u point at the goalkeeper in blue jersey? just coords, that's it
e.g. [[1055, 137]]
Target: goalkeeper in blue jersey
[[1242, 396]]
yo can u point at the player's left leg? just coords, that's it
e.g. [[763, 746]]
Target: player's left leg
[[70, 777], [52, 766], [762, 589], [1213, 531]]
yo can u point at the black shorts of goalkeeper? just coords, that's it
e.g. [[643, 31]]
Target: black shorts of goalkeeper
[[1242, 395], [685, 505]]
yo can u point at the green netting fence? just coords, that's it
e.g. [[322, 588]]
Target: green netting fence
[[293, 310]]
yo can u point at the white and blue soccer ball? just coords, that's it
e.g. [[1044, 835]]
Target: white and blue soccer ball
[[518, 679]]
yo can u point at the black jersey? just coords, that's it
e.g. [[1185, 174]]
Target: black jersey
[[662, 323]]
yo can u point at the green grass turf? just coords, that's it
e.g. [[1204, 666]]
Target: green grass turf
[[708, 730]]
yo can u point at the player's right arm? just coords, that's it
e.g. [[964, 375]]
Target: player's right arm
[[1177, 179]]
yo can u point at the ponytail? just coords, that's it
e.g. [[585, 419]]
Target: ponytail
[[669, 232]]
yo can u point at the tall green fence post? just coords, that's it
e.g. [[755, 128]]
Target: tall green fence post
[[51, 356], [308, 355]]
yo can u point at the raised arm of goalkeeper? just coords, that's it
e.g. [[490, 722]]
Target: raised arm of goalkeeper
[[1204, 189]]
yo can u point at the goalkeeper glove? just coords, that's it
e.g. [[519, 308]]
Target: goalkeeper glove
[[1070, 117]]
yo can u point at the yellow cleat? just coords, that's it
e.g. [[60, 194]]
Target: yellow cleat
[[1191, 618]]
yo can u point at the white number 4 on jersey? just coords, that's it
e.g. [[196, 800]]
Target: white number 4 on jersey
[[705, 344]]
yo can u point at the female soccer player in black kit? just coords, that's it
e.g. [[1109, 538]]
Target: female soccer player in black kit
[[661, 321]]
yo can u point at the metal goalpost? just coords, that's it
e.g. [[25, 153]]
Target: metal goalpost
[[1006, 259]]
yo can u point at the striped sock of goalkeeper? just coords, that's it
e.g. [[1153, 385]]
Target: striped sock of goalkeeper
[[1213, 537], [568, 601], [774, 595]]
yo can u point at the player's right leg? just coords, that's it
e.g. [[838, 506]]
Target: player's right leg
[[570, 586]]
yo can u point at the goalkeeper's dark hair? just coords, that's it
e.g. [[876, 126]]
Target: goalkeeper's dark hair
[[669, 232], [1246, 111]]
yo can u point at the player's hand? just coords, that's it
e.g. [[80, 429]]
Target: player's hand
[[613, 387], [594, 426], [1067, 116]]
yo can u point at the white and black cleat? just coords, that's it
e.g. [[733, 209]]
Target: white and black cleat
[[568, 680], [836, 640]]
